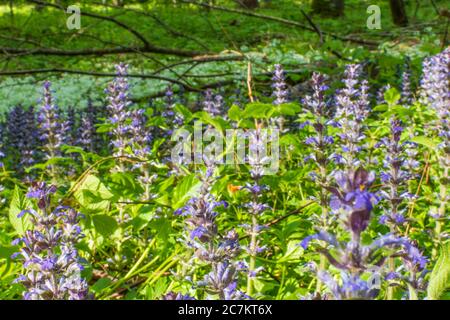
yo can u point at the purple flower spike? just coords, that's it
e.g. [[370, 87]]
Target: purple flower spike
[[50, 259]]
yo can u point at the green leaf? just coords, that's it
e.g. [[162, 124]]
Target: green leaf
[[287, 109], [392, 96], [163, 200], [293, 252], [381, 107], [258, 110], [92, 194], [104, 127], [440, 276], [217, 123], [105, 225], [124, 183], [263, 286], [427, 142], [101, 284], [234, 113], [19, 203], [72, 149], [157, 289], [48, 163], [185, 190], [185, 112], [6, 252]]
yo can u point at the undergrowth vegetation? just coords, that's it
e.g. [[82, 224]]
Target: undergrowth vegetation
[[114, 183]]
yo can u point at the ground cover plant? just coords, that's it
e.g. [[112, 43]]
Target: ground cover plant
[[179, 150]]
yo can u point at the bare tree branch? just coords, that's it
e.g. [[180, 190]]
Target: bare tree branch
[[203, 59], [96, 74], [281, 20], [159, 21], [98, 52], [147, 46], [97, 16], [313, 25]]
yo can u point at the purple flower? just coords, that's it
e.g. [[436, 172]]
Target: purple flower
[[213, 104], [406, 92], [88, 138], [140, 136], [279, 86], [177, 296], [353, 196], [436, 94], [22, 137], [280, 93], [352, 110], [50, 259], [52, 127], [118, 107], [210, 247], [173, 119], [396, 175]]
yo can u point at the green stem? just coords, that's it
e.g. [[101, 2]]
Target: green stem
[[283, 279], [390, 290], [252, 263], [322, 265]]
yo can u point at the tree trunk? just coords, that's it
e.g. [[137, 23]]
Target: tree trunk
[[249, 4], [328, 8], [398, 12]]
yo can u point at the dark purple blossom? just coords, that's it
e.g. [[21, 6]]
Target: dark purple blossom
[[406, 90], [353, 198], [22, 138], [87, 135]]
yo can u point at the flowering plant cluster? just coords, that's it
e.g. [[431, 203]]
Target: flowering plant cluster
[[50, 258], [357, 207]]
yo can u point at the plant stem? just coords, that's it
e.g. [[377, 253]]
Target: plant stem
[[252, 264]]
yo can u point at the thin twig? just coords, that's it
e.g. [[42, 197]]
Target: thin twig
[[313, 25]]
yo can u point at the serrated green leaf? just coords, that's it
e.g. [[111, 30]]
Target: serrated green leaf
[[217, 123], [19, 203], [440, 276]]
